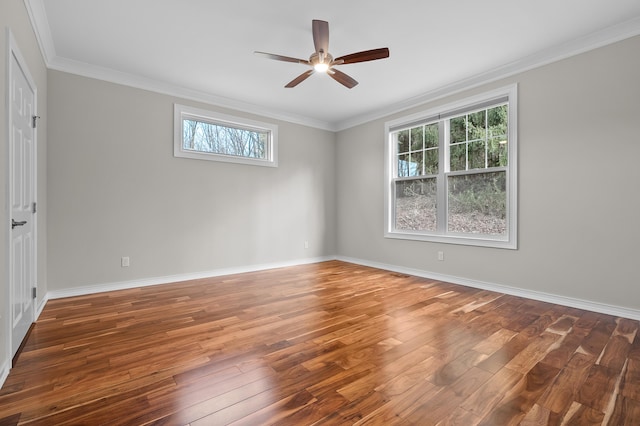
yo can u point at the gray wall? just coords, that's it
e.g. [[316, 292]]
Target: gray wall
[[13, 15], [579, 203], [117, 190]]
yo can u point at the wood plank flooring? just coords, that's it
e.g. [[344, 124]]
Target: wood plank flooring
[[330, 344]]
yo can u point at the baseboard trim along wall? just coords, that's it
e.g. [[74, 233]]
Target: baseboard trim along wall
[[145, 282], [586, 305], [4, 372], [41, 306]]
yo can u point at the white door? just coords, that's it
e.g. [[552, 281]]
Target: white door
[[22, 192]]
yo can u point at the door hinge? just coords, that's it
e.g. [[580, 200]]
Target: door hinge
[[33, 207], [34, 119], [34, 292]]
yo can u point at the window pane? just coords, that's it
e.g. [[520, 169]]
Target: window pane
[[497, 118], [213, 138], [403, 141], [476, 155], [458, 157], [477, 203], [417, 138], [416, 163], [404, 165], [431, 161], [458, 130], [415, 205], [497, 152], [476, 125], [431, 136]]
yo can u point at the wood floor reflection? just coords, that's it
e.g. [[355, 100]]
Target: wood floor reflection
[[328, 343]]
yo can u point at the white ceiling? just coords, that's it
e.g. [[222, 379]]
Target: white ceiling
[[203, 49]]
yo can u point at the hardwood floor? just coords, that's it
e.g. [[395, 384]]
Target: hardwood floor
[[329, 343]]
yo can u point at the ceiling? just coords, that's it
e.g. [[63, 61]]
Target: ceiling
[[203, 49]]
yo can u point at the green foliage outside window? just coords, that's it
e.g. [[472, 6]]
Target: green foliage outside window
[[418, 150], [478, 140], [476, 196]]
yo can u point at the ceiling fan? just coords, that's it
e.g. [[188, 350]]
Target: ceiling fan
[[322, 61]]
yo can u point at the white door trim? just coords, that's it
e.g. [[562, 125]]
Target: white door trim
[[12, 51]]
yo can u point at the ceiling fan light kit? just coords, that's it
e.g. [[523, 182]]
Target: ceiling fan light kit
[[322, 61]]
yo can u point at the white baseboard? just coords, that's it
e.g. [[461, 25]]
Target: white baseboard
[[4, 372], [40, 307], [144, 282], [587, 305]]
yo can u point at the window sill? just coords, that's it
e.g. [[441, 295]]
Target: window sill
[[467, 240]]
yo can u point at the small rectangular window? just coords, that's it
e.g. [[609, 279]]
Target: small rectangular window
[[208, 135]]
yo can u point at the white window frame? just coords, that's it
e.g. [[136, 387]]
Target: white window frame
[[508, 241], [183, 112]]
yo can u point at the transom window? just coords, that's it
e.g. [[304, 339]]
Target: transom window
[[452, 173], [207, 135]]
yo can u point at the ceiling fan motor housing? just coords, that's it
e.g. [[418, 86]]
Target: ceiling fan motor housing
[[320, 58]]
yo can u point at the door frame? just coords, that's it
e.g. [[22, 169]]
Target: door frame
[[13, 51]]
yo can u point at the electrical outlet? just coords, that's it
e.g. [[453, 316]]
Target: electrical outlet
[[306, 244], [440, 255], [124, 262]]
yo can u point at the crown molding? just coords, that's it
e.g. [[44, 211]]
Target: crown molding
[[610, 35], [157, 86], [39, 21]]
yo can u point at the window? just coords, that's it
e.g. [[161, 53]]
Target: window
[[451, 173], [207, 135]]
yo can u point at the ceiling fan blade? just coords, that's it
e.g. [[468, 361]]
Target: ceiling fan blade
[[320, 35], [283, 58], [299, 79], [364, 56], [342, 78]]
